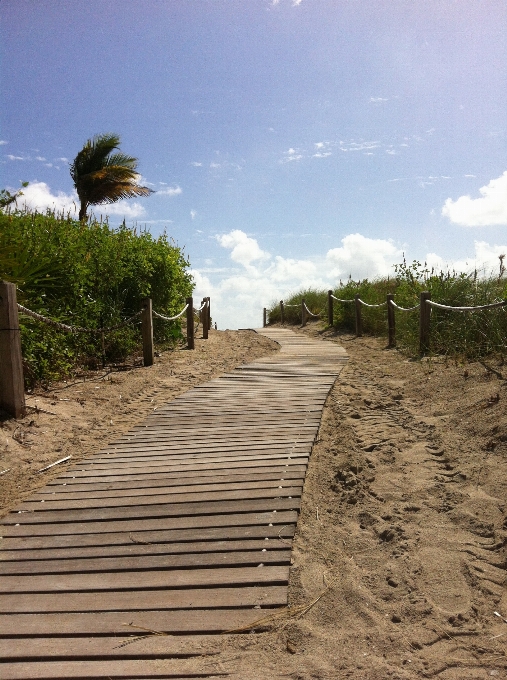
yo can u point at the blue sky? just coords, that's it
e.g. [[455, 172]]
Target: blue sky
[[291, 143]]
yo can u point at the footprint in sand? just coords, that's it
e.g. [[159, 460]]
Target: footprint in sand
[[442, 581]]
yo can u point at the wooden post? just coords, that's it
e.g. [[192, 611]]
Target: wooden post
[[209, 312], [391, 321], [329, 307], [359, 318], [303, 312], [424, 322], [264, 324], [190, 323], [12, 389], [205, 319], [147, 332], [282, 313]]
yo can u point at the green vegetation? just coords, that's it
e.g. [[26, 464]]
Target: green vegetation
[[460, 335], [101, 176], [90, 275]]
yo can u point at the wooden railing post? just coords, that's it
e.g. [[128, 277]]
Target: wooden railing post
[[303, 312], [147, 332], [359, 317], [424, 322], [282, 312], [329, 307], [391, 321], [205, 319], [209, 312], [264, 318], [190, 323], [12, 389]]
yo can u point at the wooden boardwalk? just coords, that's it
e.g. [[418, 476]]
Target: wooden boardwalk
[[184, 525]]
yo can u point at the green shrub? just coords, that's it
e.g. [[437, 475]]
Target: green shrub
[[89, 275]]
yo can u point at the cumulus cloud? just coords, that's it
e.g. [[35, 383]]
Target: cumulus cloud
[[38, 196], [170, 191], [3, 141], [11, 157], [244, 249], [362, 257], [489, 209]]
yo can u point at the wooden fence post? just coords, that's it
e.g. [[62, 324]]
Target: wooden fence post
[[209, 312], [424, 322], [12, 389], [359, 318], [264, 318], [391, 321], [303, 312], [205, 319], [282, 313], [147, 332], [190, 323], [329, 308]]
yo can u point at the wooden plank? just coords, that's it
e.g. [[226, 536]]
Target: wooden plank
[[166, 510], [139, 557], [235, 592], [128, 669], [251, 480], [146, 562], [186, 578], [266, 525], [66, 504], [96, 648], [191, 465], [216, 516]]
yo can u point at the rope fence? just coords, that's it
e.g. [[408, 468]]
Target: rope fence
[[12, 397], [424, 306]]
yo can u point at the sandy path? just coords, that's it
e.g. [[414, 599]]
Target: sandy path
[[403, 520]]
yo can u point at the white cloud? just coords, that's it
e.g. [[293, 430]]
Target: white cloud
[[490, 209], [38, 196], [2, 141], [193, 214], [244, 249], [291, 155], [196, 164], [362, 257], [378, 100], [170, 191], [17, 158]]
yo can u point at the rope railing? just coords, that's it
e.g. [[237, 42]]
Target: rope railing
[[12, 397], [366, 304], [340, 300], [169, 318], [424, 306], [403, 309], [311, 313], [494, 305], [74, 329]]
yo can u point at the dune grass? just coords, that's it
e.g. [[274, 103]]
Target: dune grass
[[469, 335]]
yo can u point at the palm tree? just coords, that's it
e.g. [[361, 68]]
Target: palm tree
[[101, 176]]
